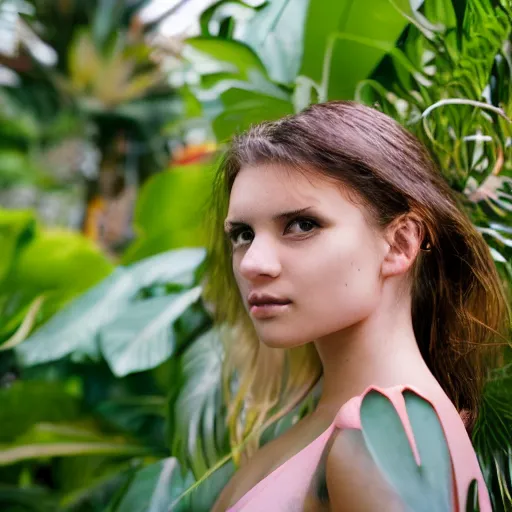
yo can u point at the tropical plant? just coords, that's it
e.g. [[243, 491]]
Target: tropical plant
[[99, 383], [41, 270], [265, 62], [451, 87], [104, 91], [132, 360], [423, 486]]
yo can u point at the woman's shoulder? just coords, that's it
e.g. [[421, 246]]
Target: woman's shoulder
[[349, 415], [386, 409]]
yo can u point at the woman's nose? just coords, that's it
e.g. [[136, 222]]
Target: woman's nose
[[260, 259]]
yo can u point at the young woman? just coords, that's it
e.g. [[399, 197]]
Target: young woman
[[348, 262]]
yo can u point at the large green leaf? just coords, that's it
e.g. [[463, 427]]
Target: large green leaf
[[198, 423], [170, 211], [214, 84], [238, 56], [148, 245], [177, 267], [204, 493], [59, 260], [142, 336], [48, 440], [198, 427], [342, 62], [74, 329], [276, 33], [233, 64], [153, 489], [424, 487], [244, 108], [274, 30]]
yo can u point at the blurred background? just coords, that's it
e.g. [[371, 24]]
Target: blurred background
[[112, 116]]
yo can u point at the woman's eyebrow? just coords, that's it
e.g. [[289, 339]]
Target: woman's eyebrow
[[278, 217]]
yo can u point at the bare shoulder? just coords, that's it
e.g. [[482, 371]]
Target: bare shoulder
[[354, 482]]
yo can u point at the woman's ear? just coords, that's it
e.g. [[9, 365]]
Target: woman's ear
[[404, 237]]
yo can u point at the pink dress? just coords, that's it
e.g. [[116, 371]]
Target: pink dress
[[286, 487]]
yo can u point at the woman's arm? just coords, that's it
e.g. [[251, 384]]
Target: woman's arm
[[354, 482]]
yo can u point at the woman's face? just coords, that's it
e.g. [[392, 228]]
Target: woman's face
[[325, 261]]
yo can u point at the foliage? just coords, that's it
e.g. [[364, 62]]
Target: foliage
[[104, 90], [169, 211], [451, 86], [118, 368], [422, 487], [40, 271]]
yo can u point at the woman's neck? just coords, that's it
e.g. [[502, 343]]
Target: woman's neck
[[381, 350]]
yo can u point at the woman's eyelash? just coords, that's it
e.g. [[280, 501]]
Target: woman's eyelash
[[234, 232]]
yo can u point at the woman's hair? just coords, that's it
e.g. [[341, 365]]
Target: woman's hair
[[459, 307]]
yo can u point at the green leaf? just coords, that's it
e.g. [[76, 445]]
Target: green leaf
[[443, 12], [276, 33], [74, 329], [141, 337], [56, 264], [106, 19], [273, 30], [198, 425], [62, 260], [153, 489], [432, 447], [177, 267], [131, 413], [492, 436], [341, 67], [25, 403], [306, 93], [239, 56], [170, 210], [46, 440], [217, 13], [203, 497], [244, 108], [17, 227], [422, 487], [87, 479], [214, 84], [472, 497]]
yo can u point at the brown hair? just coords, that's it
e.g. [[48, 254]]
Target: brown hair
[[459, 307]]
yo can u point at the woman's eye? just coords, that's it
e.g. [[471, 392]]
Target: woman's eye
[[305, 225], [236, 236], [243, 236]]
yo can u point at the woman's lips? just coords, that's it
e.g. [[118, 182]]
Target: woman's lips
[[269, 309]]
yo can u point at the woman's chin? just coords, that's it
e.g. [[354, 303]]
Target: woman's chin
[[283, 340]]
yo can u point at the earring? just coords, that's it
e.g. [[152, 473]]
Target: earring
[[426, 246]]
